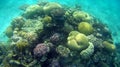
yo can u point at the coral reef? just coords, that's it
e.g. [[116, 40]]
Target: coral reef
[[49, 34]]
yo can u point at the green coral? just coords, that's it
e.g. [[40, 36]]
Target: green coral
[[32, 25], [109, 46], [18, 22], [85, 28], [30, 36], [50, 6], [9, 31], [77, 41], [63, 51], [47, 19], [22, 44], [81, 16], [33, 11]]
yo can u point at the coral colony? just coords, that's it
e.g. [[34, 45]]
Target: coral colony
[[52, 35]]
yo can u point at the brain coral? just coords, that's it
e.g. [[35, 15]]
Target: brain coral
[[77, 41]]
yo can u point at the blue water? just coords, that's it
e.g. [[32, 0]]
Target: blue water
[[106, 10]]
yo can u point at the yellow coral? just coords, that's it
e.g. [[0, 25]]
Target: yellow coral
[[77, 41], [85, 28], [47, 19], [109, 47], [22, 44]]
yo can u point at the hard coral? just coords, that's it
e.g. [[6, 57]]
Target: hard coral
[[85, 28], [33, 11], [31, 36], [85, 54], [47, 19], [109, 46], [77, 41], [57, 13], [18, 22], [55, 38], [22, 44], [81, 16], [40, 50], [50, 6], [63, 51]]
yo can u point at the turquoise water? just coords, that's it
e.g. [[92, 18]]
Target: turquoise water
[[106, 10], [47, 39]]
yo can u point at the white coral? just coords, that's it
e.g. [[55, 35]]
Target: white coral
[[87, 52]]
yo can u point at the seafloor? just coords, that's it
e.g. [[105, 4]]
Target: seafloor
[[49, 34]]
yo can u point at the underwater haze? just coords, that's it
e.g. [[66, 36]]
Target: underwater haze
[[106, 10], [59, 33]]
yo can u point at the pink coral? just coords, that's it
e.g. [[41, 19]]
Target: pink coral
[[55, 38], [40, 50]]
